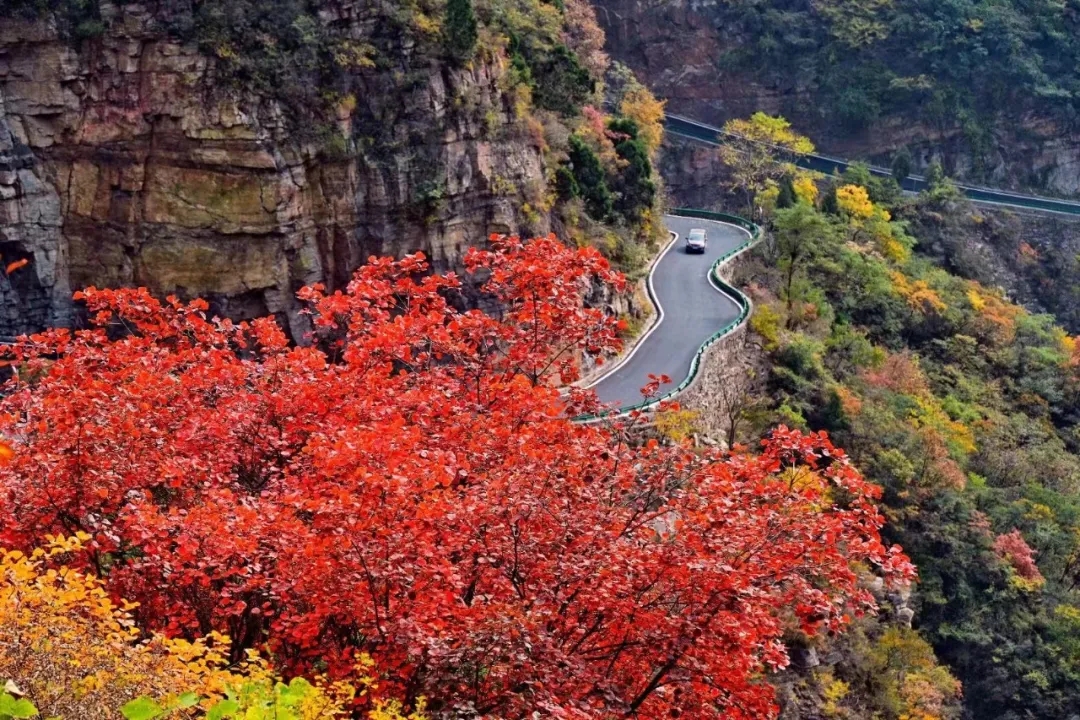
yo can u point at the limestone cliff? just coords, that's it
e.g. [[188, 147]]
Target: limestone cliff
[[122, 162]]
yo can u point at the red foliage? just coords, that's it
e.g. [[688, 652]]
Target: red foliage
[[409, 486], [899, 373], [1012, 548]]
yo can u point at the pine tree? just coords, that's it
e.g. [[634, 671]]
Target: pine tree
[[461, 32], [589, 173]]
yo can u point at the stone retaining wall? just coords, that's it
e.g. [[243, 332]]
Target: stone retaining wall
[[725, 374]]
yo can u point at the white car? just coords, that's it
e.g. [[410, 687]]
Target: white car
[[696, 241]]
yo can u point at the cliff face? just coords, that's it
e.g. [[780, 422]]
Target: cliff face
[[684, 50], [122, 163]]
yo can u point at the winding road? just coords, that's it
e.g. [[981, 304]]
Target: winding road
[[692, 309]]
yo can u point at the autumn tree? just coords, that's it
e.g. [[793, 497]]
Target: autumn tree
[[759, 150], [854, 202], [641, 106], [583, 35], [409, 487]]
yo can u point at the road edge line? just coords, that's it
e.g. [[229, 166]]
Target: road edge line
[[618, 414], [658, 318]]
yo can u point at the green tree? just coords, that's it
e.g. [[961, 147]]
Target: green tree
[[461, 31], [901, 165], [786, 198], [561, 82], [591, 180], [801, 232], [636, 189]]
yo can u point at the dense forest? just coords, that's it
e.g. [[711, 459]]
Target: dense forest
[[960, 404], [944, 62]]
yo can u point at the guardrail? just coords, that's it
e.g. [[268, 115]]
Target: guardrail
[[730, 290], [711, 135]]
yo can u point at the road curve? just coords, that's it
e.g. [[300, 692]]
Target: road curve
[[692, 309]]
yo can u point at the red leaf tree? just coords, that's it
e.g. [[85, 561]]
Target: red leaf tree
[[409, 486]]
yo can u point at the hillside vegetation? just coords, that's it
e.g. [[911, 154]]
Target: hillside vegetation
[[945, 62], [962, 406]]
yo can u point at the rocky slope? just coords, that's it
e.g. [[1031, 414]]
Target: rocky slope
[[123, 163], [705, 58]]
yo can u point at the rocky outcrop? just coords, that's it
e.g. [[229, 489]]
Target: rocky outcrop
[[123, 163]]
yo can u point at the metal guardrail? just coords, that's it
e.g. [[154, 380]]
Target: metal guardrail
[[730, 290], [711, 135]]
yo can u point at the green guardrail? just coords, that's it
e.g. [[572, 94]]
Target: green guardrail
[[730, 290]]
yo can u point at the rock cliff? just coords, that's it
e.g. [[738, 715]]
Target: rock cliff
[[122, 162]]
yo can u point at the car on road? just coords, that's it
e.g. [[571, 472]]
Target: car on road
[[696, 241]]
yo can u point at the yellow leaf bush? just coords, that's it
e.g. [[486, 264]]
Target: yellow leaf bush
[[75, 654]]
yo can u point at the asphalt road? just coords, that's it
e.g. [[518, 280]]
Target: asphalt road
[[693, 309], [710, 135]]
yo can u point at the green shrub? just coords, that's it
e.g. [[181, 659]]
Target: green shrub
[[591, 181], [560, 82], [460, 32]]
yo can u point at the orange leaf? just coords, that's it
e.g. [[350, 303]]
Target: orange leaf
[[6, 453], [12, 267]]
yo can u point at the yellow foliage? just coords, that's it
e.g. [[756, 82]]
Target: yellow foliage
[[883, 232], [815, 487], [918, 293], [1071, 346], [677, 424], [957, 435], [392, 710], [354, 55], [805, 188], [643, 108], [856, 23], [995, 316], [1070, 613], [77, 655], [854, 200], [759, 150], [766, 322], [893, 249], [918, 687], [834, 691], [762, 128], [1024, 584], [767, 198], [1068, 346], [424, 24]]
